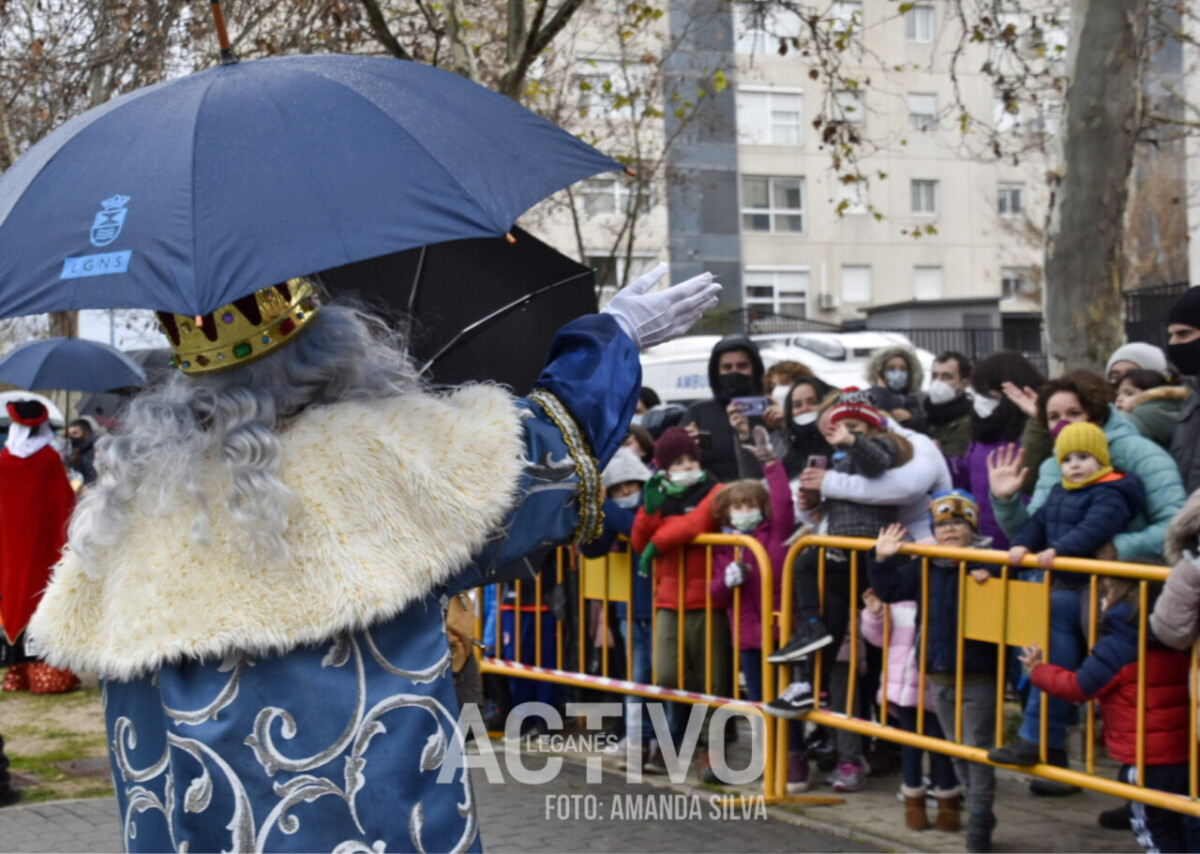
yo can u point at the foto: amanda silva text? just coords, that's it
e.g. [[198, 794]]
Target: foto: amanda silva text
[[667, 806]]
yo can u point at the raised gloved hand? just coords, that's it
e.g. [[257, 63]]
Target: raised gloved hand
[[644, 562], [762, 450], [734, 574], [654, 493], [652, 318]]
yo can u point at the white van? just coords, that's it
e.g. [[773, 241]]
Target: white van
[[678, 370]]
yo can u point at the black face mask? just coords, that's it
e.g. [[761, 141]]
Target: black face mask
[[76, 441], [1186, 357], [735, 385]]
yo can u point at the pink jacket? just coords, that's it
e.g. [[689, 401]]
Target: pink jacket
[[902, 672], [773, 534]]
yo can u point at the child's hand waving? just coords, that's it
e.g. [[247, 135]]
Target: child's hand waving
[[1031, 656], [890, 540], [839, 435]]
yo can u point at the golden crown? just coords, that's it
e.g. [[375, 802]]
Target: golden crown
[[243, 331]]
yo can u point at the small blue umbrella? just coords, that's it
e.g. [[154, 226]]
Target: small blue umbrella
[[189, 194], [70, 364]]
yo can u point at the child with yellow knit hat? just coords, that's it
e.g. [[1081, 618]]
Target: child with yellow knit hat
[[1082, 513]]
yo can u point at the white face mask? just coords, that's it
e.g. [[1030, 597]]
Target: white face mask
[[637, 419], [804, 419], [941, 392], [629, 502], [984, 405], [747, 521], [779, 394], [689, 477]]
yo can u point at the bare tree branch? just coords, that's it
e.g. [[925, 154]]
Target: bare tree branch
[[381, 31]]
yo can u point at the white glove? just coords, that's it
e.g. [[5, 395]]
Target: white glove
[[650, 319], [733, 574]]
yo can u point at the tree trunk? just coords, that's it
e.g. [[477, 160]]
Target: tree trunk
[[64, 324], [1085, 227]]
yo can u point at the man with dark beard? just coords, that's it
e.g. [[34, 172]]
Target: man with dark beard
[[735, 369]]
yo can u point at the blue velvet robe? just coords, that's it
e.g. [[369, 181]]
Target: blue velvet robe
[[350, 745]]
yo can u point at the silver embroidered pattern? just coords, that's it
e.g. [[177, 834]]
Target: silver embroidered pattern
[[195, 717], [591, 493]]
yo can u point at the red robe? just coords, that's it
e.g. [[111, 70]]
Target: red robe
[[36, 501]]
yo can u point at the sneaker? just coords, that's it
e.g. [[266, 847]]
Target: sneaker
[[615, 749], [797, 778], [704, 769], [849, 777], [795, 701], [809, 636], [1020, 752], [653, 762]]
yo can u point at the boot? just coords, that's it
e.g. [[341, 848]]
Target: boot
[[915, 817], [1056, 756], [949, 815], [979, 832]]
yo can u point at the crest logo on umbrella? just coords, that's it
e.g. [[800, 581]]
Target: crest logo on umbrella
[[108, 222]]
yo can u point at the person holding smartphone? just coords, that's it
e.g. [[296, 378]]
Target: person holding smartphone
[[735, 369]]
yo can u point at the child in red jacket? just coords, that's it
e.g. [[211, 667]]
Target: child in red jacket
[[677, 507], [1110, 673]]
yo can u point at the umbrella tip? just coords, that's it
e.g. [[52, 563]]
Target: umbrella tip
[[508, 235], [630, 172]]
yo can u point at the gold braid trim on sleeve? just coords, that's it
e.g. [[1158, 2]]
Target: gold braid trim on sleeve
[[591, 490]]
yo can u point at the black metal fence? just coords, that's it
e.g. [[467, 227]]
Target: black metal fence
[[1146, 312]]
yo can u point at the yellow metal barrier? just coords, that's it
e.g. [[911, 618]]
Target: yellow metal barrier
[[1004, 611]]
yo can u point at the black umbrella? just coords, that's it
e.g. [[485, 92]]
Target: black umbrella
[[481, 309]]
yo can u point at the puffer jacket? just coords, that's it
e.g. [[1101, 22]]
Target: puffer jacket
[[1132, 453], [1076, 522], [898, 579], [1185, 446], [1176, 616], [1111, 674], [970, 473], [910, 398], [773, 533], [903, 672], [1156, 413], [678, 522], [720, 457]]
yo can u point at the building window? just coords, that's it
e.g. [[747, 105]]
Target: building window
[[847, 16], [848, 107], [919, 24], [856, 283], [925, 198], [607, 86], [922, 112], [853, 198], [1050, 121], [927, 282], [758, 26], [776, 291], [770, 117], [772, 204], [1010, 199], [1014, 282], [610, 195]]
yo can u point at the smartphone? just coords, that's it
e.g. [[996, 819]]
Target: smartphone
[[704, 440], [752, 406], [817, 461]]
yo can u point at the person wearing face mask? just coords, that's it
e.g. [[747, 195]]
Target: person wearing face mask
[[82, 454], [1183, 349], [623, 479], [735, 369], [796, 439], [676, 508], [995, 422], [1087, 396], [947, 403], [898, 375]]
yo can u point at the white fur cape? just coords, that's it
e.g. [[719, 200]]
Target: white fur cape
[[394, 496]]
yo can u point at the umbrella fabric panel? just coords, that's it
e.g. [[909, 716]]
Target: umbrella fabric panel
[[72, 364], [237, 177]]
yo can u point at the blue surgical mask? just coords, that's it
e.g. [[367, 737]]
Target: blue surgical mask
[[629, 502], [896, 380], [747, 521]]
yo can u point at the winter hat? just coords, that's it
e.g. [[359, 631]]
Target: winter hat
[[673, 444], [29, 413], [624, 467], [954, 504], [1082, 436], [856, 403], [1186, 309], [1145, 356]]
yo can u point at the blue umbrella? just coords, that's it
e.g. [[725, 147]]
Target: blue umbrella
[[70, 364], [186, 195]]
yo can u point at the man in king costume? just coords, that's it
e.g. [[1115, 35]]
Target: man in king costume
[[36, 500], [260, 573]]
